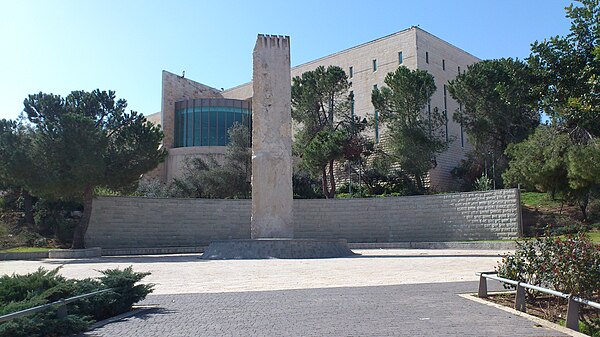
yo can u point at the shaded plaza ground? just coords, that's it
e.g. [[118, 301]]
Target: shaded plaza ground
[[379, 293]]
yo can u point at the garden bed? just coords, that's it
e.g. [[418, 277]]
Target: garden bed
[[547, 307]]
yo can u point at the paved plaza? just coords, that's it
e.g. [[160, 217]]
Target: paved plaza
[[379, 293]]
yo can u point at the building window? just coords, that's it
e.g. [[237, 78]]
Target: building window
[[351, 96], [446, 112], [446, 120], [399, 57], [376, 126], [374, 65], [427, 57], [429, 114], [443, 64], [204, 122], [351, 72], [462, 131]]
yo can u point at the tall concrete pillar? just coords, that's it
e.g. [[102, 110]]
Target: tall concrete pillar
[[272, 194]]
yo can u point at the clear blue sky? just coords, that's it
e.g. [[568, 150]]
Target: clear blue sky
[[123, 45]]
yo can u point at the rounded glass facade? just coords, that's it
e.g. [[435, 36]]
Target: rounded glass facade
[[204, 122]]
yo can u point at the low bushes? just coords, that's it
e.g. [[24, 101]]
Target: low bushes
[[18, 292], [568, 264]]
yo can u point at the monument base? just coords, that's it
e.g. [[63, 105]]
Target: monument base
[[276, 249]]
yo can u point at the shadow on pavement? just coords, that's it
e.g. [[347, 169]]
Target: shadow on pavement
[[197, 258], [131, 259]]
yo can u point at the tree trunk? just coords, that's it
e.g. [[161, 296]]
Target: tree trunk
[[81, 229], [419, 182], [583, 203], [324, 185], [28, 208], [331, 180]]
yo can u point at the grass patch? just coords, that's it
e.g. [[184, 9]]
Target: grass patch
[[538, 200], [594, 236], [25, 250]]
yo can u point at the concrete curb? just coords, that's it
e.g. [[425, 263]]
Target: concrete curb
[[151, 251], [542, 322], [476, 245], [71, 253], [75, 253], [5, 256]]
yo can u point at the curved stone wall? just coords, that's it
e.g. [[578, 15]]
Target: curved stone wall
[[132, 222]]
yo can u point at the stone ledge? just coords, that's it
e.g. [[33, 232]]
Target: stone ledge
[[5, 256], [74, 253], [276, 249], [492, 245], [151, 251]]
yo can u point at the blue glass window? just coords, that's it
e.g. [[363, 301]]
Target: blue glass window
[[205, 122]]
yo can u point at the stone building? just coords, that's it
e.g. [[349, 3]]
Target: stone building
[[194, 116]]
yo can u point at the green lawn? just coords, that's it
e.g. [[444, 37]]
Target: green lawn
[[537, 200], [595, 236]]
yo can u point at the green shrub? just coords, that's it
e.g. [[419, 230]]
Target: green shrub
[[18, 292], [57, 218], [526, 264], [125, 292], [570, 265], [482, 183]]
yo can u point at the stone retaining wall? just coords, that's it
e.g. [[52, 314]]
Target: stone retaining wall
[[126, 222]]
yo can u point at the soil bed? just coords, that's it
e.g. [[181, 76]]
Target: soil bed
[[548, 307]]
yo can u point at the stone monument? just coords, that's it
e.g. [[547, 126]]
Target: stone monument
[[272, 194], [272, 226]]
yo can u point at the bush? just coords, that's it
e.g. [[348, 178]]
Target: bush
[[18, 292], [568, 264], [57, 218], [483, 183], [153, 188], [527, 264]]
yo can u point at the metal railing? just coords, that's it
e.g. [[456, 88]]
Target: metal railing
[[61, 311], [572, 321]]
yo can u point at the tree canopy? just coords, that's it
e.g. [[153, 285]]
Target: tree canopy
[[551, 162], [328, 130], [415, 136], [570, 67], [87, 140], [497, 106], [498, 103], [18, 170], [208, 178], [564, 157]]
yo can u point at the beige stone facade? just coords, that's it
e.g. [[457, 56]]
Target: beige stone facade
[[366, 66], [178, 88]]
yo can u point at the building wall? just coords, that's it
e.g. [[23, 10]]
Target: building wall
[[176, 88], [129, 222], [177, 157], [413, 43], [154, 118], [442, 53], [242, 92]]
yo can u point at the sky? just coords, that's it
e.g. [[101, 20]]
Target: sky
[[123, 45]]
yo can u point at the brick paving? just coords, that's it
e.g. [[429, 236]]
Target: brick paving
[[392, 310]]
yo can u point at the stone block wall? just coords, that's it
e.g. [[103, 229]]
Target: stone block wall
[[131, 222], [446, 217], [127, 222]]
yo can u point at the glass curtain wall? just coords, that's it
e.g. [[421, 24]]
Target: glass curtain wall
[[204, 122]]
